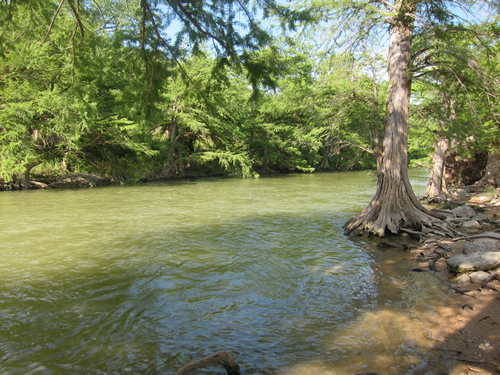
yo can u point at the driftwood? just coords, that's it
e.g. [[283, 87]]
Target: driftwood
[[220, 358]]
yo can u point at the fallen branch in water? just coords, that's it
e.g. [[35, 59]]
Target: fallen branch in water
[[220, 358]]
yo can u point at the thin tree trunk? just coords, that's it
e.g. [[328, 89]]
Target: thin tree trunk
[[180, 162], [29, 167], [265, 167], [395, 207], [168, 164], [435, 188], [325, 162], [437, 179]]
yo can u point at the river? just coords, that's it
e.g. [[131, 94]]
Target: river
[[144, 279]]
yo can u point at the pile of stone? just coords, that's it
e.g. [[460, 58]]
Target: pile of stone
[[480, 258], [466, 218]]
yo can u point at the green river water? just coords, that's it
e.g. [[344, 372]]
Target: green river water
[[144, 279]]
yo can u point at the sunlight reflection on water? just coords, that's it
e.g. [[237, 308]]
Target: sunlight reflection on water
[[148, 278]]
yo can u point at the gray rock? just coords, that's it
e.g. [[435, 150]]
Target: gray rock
[[471, 224], [464, 211], [478, 277], [481, 245], [482, 217], [462, 279], [474, 262]]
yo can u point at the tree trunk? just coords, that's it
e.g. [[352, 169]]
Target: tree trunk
[[325, 162], [437, 181], [435, 187], [492, 174], [180, 161], [265, 169], [168, 164], [376, 138], [395, 207]]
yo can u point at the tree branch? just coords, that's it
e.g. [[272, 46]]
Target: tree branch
[[52, 22]]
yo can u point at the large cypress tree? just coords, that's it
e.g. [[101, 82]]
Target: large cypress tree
[[395, 208]]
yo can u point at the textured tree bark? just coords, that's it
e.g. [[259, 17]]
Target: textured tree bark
[[492, 174], [395, 207], [325, 162], [435, 188], [220, 358], [437, 181]]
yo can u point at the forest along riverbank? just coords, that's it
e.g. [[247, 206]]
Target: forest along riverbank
[[471, 265]]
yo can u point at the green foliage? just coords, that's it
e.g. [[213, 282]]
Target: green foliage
[[101, 88]]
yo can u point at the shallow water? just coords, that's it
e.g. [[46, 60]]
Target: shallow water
[[144, 279]]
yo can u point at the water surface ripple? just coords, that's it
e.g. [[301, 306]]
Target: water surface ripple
[[144, 279]]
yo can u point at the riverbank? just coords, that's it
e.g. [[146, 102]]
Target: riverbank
[[81, 181], [471, 318]]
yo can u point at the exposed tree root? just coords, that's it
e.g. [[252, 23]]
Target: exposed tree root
[[22, 184], [493, 276], [493, 235], [220, 358], [380, 219], [444, 201]]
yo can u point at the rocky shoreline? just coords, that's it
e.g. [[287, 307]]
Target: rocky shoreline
[[69, 181], [470, 265]]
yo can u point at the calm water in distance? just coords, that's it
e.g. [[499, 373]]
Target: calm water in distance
[[144, 279]]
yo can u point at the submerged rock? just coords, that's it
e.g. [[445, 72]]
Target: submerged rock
[[480, 261]]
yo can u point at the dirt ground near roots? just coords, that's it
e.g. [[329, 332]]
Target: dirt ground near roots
[[472, 317]]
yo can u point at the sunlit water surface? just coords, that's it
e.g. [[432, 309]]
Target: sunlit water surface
[[144, 279]]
